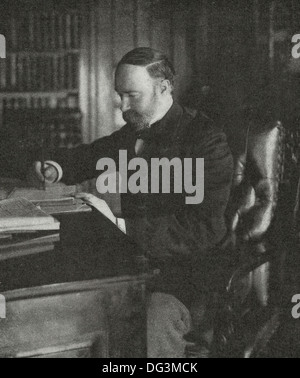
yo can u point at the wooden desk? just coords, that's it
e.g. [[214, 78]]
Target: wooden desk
[[85, 299]]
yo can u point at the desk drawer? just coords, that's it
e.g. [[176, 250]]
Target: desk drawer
[[55, 320]]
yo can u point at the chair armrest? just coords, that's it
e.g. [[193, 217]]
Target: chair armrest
[[251, 263]]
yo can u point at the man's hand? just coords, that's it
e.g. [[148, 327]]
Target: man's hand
[[98, 204], [38, 176]]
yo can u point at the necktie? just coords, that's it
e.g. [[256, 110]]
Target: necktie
[[139, 146], [143, 137]]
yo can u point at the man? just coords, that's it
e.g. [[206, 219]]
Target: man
[[177, 238]]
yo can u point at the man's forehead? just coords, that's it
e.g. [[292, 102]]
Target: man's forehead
[[128, 75]]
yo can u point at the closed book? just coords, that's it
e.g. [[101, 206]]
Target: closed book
[[13, 71], [76, 32], [38, 32], [15, 228], [21, 214], [8, 72], [68, 31], [31, 31], [2, 74], [61, 30], [55, 73], [53, 31], [13, 31]]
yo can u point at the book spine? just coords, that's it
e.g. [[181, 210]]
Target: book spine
[[75, 71], [13, 71], [70, 72], [46, 36], [31, 31], [46, 72], [61, 31], [57, 31], [73, 44], [55, 73], [8, 72], [68, 32], [53, 31], [28, 74], [21, 33], [25, 31], [76, 31], [62, 72], [13, 30], [33, 69], [3, 74], [38, 32], [25, 73]]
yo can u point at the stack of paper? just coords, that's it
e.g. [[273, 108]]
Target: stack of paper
[[37, 195], [54, 200], [21, 215], [63, 205]]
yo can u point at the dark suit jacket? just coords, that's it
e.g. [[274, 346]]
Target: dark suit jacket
[[176, 237]]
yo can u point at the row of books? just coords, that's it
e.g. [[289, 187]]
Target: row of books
[[55, 127], [70, 101], [21, 72], [62, 135], [56, 135], [43, 31]]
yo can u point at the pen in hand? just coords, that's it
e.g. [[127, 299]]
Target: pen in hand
[[43, 169]]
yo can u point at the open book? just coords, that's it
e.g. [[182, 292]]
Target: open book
[[20, 214]]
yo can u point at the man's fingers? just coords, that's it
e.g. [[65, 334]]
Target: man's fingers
[[49, 174], [83, 196], [38, 170], [98, 204], [92, 200]]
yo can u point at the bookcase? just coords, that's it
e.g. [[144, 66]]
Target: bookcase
[[41, 69]]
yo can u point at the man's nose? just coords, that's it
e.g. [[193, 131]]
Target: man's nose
[[125, 104]]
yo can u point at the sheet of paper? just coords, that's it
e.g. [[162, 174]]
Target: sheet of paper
[[55, 193]]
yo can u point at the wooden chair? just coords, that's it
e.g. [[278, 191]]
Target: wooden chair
[[245, 305]]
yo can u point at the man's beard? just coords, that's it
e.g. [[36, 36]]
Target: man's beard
[[136, 120]]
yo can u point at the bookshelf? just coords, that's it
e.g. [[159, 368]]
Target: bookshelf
[[56, 128], [41, 69]]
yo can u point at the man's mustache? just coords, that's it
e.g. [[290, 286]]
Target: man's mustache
[[132, 116], [137, 120]]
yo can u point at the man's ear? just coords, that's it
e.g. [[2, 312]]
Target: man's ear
[[165, 87]]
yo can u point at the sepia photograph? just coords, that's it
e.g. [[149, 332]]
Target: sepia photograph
[[149, 181]]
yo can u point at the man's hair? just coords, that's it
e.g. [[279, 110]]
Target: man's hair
[[156, 63]]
